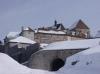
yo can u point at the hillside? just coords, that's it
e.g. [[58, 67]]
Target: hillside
[[87, 62], [10, 66]]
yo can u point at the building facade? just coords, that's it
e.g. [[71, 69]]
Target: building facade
[[58, 32], [49, 38], [55, 33]]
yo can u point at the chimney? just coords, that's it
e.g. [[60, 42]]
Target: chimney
[[55, 22]]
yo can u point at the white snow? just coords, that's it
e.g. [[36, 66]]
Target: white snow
[[22, 39], [26, 28], [75, 44], [10, 66], [43, 45], [88, 62], [12, 34], [52, 32]]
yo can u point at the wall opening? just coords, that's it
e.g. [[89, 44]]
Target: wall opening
[[20, 58], [57, 64]]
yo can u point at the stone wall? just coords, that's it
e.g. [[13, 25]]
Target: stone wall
[[22, 55], [49, 38], [43, 59], [28, 34]]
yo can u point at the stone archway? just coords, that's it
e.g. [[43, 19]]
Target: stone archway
[[57, 64]]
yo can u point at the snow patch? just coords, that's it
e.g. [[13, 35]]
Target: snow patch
[[88, 62], [76, 44], [51, 32], [10, 66], [22, 39]]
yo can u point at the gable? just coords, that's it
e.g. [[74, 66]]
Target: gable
[[79, 25]]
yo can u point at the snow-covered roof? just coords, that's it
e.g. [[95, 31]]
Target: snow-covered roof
[[22, 39], [12, 34], [51, 32], [26, 28], [76, 44]]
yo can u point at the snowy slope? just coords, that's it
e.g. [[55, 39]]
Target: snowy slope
[[10, 66], [75, 44], [85, 62], [88, 62]]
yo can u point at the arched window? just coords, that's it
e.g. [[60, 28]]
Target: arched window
[[57, 64]]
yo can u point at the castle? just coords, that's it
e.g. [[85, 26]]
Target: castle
[[57, 32], [26, 43]]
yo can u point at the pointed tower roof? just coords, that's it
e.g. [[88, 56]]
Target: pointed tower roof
[[59, 26], [79, 25]]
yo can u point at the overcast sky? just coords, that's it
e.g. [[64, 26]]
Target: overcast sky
[[35, 13]]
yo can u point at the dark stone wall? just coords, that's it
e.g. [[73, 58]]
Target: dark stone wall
[[21, 54], [2, 48]]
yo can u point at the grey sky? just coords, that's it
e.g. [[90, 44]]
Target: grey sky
[[35, 13]]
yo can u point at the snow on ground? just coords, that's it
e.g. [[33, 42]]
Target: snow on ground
[[75, 44], [87, 62], [22, 39], [51, 32], [10, 66], [43, 45]]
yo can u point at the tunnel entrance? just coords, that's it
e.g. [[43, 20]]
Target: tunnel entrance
[[57, 64]]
